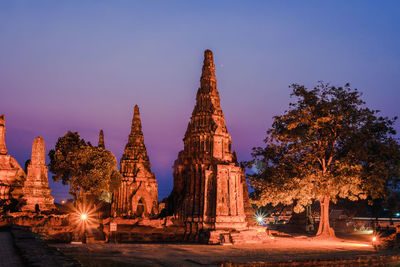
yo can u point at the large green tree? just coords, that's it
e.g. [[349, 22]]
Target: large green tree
[[326, 146], [87, 169]]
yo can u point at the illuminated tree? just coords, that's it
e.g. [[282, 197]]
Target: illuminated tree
[[87, 169], [328, 145]]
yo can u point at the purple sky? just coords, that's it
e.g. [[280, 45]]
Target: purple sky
[[83, 65]]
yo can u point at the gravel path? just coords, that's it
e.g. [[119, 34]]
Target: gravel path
[[277, 250]]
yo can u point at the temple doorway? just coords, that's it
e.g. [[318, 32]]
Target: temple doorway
[[141, 208]]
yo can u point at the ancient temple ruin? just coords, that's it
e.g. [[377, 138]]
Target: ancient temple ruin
[[209, 188], [138, 193], [36, 187], [12, 175]]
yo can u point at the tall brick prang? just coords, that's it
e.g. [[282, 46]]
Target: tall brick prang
[[208, 191]]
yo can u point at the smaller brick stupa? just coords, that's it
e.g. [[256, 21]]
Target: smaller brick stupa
[[138, 193], [36, 187]]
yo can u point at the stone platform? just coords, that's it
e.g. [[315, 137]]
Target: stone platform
[[170, 230], [251, 235]]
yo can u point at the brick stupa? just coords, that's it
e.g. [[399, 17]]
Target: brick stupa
[[36, 187], [138, 193], [209, 187], [12, 175]]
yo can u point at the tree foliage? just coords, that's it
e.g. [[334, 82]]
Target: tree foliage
[[87, 169], [328, 145]]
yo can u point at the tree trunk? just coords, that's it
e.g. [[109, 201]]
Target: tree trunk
[[324, 229]]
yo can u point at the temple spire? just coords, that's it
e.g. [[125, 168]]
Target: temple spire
[[135, 148], [3, 148], [38, 151], [101, 140], [136, 112], [208, 79], [138, 189], [207, 114], [136, 128]]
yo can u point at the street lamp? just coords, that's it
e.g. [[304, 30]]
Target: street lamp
[[84, 218]]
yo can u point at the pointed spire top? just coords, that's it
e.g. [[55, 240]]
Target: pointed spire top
[[38, 156], [207, 102], [135, 148], [136, 128], [136, 112], [208, 56], [101, 140], [208, 79]]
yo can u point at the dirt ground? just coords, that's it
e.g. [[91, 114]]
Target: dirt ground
[[276, 250]]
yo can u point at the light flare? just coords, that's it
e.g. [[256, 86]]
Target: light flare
[[260, 218], [83, 217]]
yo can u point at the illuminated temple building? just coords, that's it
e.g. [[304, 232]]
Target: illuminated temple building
[[36, 187], [209, 186], [138, 193], [32, 188], [12, 176]]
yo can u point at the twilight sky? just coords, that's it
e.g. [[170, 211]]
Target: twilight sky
[[83, 65]]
